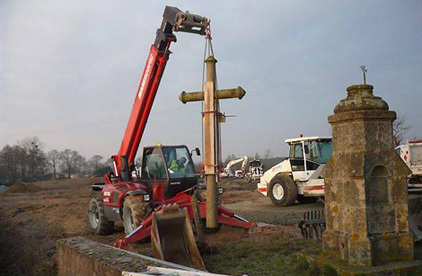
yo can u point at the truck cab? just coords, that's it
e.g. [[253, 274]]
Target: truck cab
[[411, 154], [307, 154], [298, 177]]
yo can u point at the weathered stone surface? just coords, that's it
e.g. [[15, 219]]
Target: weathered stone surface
[[365, 184], [83, 257], [330, 263]]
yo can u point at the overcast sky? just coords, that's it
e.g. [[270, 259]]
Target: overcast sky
[[70, 69]]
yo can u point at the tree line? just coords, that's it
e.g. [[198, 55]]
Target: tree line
[[26, 161]]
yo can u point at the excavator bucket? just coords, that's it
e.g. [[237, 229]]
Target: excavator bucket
[[172, 237]]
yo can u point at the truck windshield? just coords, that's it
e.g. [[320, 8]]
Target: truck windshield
[[179, 162], [319, 151], [255, 163], [296, 151]]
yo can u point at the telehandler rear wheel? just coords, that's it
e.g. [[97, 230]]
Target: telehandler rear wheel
[[282, 190], [97, 218], [135, 210]]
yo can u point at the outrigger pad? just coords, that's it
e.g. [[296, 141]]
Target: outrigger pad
[[172, 237]]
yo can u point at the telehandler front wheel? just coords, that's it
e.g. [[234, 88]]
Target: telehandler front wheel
[[282, 190], [135, 210], [97, 218]]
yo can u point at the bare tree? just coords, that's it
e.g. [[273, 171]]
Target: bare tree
[[400, 129], [95, 163], [20, 159], [230, 157], [68, 160], [53, 157], [36, 160], [25, 161], [9, 164], [81, 166], [33, 158]]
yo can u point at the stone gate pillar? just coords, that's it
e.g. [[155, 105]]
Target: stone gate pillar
[[365, 184]]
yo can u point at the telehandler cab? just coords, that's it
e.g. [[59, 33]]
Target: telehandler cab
[[169, 166]]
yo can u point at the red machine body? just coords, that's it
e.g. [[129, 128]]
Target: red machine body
[[157, 183], [183, 200]]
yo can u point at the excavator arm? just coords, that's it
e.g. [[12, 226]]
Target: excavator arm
[[232, 163], [173, 20]]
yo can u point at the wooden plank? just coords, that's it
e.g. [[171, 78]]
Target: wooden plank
[[181, 272]]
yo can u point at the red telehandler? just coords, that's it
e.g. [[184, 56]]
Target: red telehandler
[[167, 176]]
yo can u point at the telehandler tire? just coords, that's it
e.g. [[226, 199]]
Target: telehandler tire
[[135, 210], [97, 218], [282, 190], [305, 199]]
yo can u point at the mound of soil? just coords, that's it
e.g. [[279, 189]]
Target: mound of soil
[[20, 188]]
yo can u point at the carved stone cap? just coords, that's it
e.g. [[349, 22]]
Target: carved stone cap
[[360, 97]]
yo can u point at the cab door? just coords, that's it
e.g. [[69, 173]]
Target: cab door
[[154, 168], [297, 162]]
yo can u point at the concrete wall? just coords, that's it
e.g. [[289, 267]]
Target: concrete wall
[[81, 256]]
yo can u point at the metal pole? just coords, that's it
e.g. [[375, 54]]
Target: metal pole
[[364, 70]]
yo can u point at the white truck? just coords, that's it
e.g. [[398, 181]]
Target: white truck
[[298, 177], [411, 153], [255, 169]]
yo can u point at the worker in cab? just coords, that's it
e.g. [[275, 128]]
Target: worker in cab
[[178, 166]]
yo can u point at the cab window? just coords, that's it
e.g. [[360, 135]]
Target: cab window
[[154, 165], [296, 151], [312, 150], [178, 161]]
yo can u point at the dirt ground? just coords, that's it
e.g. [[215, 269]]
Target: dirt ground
[[34, 216]]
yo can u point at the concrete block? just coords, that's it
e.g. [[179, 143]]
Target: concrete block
[[83, 257]]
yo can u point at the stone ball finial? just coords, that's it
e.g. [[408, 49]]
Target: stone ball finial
[[360, 97]]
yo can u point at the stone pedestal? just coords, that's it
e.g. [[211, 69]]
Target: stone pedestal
[[365, 184]]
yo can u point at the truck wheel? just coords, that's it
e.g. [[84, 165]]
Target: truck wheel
[[97, 218], [135, 210], [282, 190], [305, 199]]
